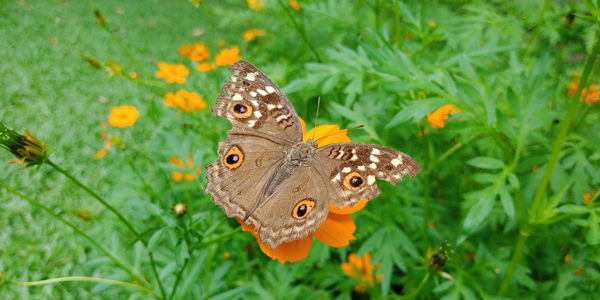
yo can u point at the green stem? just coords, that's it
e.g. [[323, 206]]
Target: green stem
[[540, 193], [86, 279], [118, 214], [564, 129], [33, 202], [93, 194], [179, 275], [445, 155], [417, 291], [300, 31], [516, 258]]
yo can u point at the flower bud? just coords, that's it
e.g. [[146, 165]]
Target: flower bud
[[26, 148]]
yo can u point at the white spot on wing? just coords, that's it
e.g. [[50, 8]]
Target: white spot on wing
[[281, 117], [346, 170], [270, 89], [250, 76], [237, 97], [261, 92], [257, 114], [375, 151], [253, 94], [373, 166], [255, 103], [374, 158], [270, 106], [361, 168], [251, 123], [370, 179], [336, 178], [396, 162]]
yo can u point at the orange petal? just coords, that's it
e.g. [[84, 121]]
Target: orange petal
[[337, 230], [327, 134], [348, 210], [350, 269], [303, 124], [291, 251]]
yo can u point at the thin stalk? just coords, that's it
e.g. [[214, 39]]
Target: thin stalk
[[559, 143], [179, 275], [186, 238], [33, 202], [86, 279], [118, 214], [300, 31], [93, 194], [564, 129], [417, 291]]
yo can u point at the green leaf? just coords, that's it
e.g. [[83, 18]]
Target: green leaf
[[478, 213], [573, 209], [416, 110], [507, 202], [486, 163]]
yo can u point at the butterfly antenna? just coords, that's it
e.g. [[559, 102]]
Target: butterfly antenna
[[316, 117], [341, 131]]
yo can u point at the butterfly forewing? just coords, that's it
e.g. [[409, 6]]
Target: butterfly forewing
[[255, 105], [351, 170]]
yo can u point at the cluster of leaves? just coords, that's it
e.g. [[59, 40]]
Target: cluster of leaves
[[385, 65]]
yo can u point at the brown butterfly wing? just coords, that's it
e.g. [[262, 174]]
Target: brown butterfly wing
[[350, 170], [255, 105]]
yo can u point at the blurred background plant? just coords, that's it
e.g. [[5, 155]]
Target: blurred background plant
[[496, 99]]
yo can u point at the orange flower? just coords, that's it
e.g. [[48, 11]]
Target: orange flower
[[228, 56], [123, 116], [338, 228], [189, 173], [360, 267], [172, 72], [205, 67], [587, 197], [294, 4], [256, 5], [437, 118], [100, 154], [589, 95], [251, 34], [184, 100], [195, 51]]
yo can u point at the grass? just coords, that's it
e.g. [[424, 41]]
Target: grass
[[503, 182]]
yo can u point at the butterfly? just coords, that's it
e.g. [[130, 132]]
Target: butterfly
[[268, 177]]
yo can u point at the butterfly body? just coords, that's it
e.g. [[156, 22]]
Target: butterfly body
[[268, 177]]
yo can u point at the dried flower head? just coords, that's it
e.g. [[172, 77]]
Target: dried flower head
[[179, 209], [26, 148]]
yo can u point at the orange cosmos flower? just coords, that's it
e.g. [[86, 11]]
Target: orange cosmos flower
[[256, 5], [123, 116], [587, 197], [589, 95], [253, 33], [294, 4], [195, 51], [184, 100], [205, 67], [436, 119], [189, 174], [338, 228], [360, 267], [172, 72], [228, 56]]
